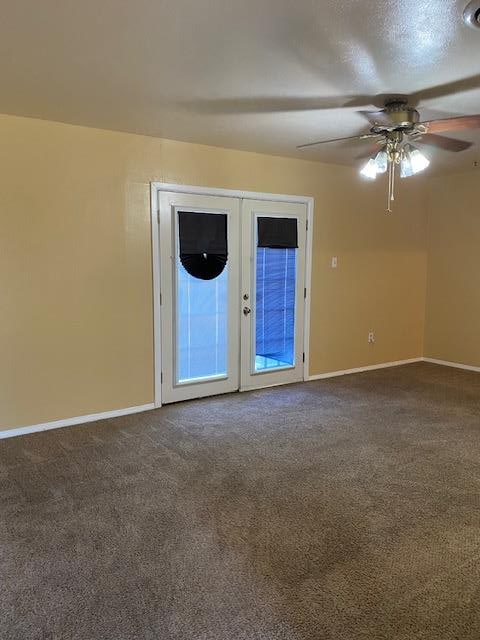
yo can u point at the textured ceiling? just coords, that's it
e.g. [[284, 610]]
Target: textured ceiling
[[262, 75]]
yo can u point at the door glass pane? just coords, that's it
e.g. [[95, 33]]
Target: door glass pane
[[202, 316], [275, 308]]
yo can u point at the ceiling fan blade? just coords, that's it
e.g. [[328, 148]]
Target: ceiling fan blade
[[372, 150], [377, 117], [452, 124], [272, 104], [447, 89], [442, 142], [365, 136]]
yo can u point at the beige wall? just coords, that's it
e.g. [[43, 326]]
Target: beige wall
[[75, 263], [452, 329]]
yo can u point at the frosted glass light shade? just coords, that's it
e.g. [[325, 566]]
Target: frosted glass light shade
[[418, 160], [381, 161], [413, 161], [369, 171]]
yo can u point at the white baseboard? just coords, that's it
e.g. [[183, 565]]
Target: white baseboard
[[372, 367], [69, 422], [455, 365]]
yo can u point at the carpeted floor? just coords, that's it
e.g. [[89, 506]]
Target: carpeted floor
[[342, 509]]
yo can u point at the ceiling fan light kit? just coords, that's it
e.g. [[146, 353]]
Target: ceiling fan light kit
[[410, 159]]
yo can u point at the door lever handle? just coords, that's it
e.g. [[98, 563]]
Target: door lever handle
[[246, 311]]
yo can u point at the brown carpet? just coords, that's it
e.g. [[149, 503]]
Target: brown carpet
[[343, 509]]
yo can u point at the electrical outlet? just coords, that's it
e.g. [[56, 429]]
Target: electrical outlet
[[334, 262], [371, 337]]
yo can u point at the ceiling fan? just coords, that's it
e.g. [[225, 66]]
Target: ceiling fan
[[393, 130]]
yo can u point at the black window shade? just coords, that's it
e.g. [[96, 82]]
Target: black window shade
[[203, 243], [277, 233]]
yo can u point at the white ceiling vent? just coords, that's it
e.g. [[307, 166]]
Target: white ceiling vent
[[471, 15]]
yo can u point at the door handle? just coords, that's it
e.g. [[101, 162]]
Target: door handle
[[246, 311]]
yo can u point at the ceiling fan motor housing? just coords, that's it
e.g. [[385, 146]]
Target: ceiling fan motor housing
[[401, 116]]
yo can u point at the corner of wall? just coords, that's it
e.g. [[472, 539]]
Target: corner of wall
[[426, 205]]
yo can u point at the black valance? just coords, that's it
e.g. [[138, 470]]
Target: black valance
[[203, 243], [277, 233]]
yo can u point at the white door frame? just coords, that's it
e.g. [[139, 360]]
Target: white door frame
[[155, 189]]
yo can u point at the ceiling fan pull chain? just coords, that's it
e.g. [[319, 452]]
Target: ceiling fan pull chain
[[389, 210], [390, 186], [393, 181]]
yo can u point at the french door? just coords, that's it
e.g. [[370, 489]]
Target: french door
[[232, 278], [273, 293], [200, 312]]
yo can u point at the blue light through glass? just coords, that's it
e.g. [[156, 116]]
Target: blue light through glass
[[202, 317], [275, 308]]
